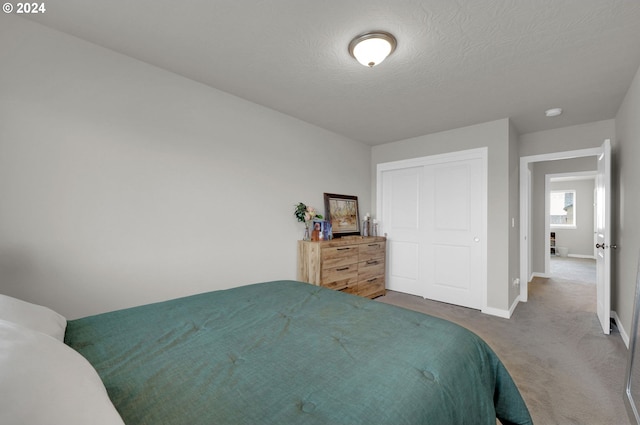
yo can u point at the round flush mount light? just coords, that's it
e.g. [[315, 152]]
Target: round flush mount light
[[553, 112], [372, 48]]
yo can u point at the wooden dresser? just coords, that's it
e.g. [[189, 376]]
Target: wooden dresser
[[353, 264]]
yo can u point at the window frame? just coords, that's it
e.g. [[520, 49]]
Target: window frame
[[575, 210]]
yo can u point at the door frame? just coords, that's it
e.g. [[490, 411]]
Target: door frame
[[477, 153], [525, 208]]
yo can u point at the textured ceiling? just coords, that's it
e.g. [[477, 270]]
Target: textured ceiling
[[457, 62]]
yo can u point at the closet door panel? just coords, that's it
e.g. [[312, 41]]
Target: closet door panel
[[401, 194], [456, 234]]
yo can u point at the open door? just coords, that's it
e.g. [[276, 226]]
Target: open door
[[603, 237]]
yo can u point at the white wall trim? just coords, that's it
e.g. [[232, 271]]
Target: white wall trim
[[536, 274], [481, 153], [514, 305], [505, 314], [623, 333], [525, 229], [562, 155], [590, 257]]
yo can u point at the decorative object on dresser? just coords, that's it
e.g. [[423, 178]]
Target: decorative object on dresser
[[352, 264], [306, 215], [342, 213], [369, 226], [323, 228]]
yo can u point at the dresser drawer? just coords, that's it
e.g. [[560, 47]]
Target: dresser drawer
[[370, 268], [340, 277], [372, 287], [339, 256], [369, 251], [351, 290]]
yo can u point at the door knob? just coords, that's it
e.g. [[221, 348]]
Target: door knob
[[613, 246], [599, 246]]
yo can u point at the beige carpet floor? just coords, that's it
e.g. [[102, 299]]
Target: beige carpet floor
[[567, 370], [577, 270]]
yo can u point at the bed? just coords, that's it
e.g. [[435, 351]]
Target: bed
[[287, 352]]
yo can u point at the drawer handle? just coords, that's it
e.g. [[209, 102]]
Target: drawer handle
[[342, 269], [343, 249], [372, 262], [374, 244], [372, 279]]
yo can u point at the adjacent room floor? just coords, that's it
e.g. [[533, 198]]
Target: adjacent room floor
[[578, 270]]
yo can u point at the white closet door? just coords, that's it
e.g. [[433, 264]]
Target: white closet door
[[433, 210], [402, 190], [454, 241]]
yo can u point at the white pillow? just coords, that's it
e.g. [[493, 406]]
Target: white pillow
[[32, 316], [43, 381]]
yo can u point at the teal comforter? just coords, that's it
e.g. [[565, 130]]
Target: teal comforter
[[291, 353]]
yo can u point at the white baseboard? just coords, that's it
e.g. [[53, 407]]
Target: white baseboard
[[591, 257], [623, 333], [514, 305], [536, 274], [505, 314]]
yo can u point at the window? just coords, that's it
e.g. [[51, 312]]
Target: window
[[563, 209]]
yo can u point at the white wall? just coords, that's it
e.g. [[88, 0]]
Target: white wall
[[124, 184], [579, 240], [627, 221], [584, 136], [495, 135]]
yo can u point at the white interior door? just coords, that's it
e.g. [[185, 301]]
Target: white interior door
[[603, 237], [433, 211]]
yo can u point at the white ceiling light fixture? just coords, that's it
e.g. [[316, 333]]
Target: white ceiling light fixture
[[372, 48], [553, 112]]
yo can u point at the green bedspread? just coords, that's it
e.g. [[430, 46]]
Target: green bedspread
[[291, 353]]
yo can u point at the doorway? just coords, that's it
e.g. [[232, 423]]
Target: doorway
[[528, 208]]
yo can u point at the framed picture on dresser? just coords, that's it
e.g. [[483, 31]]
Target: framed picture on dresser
[[342, 213], [324, 228]]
